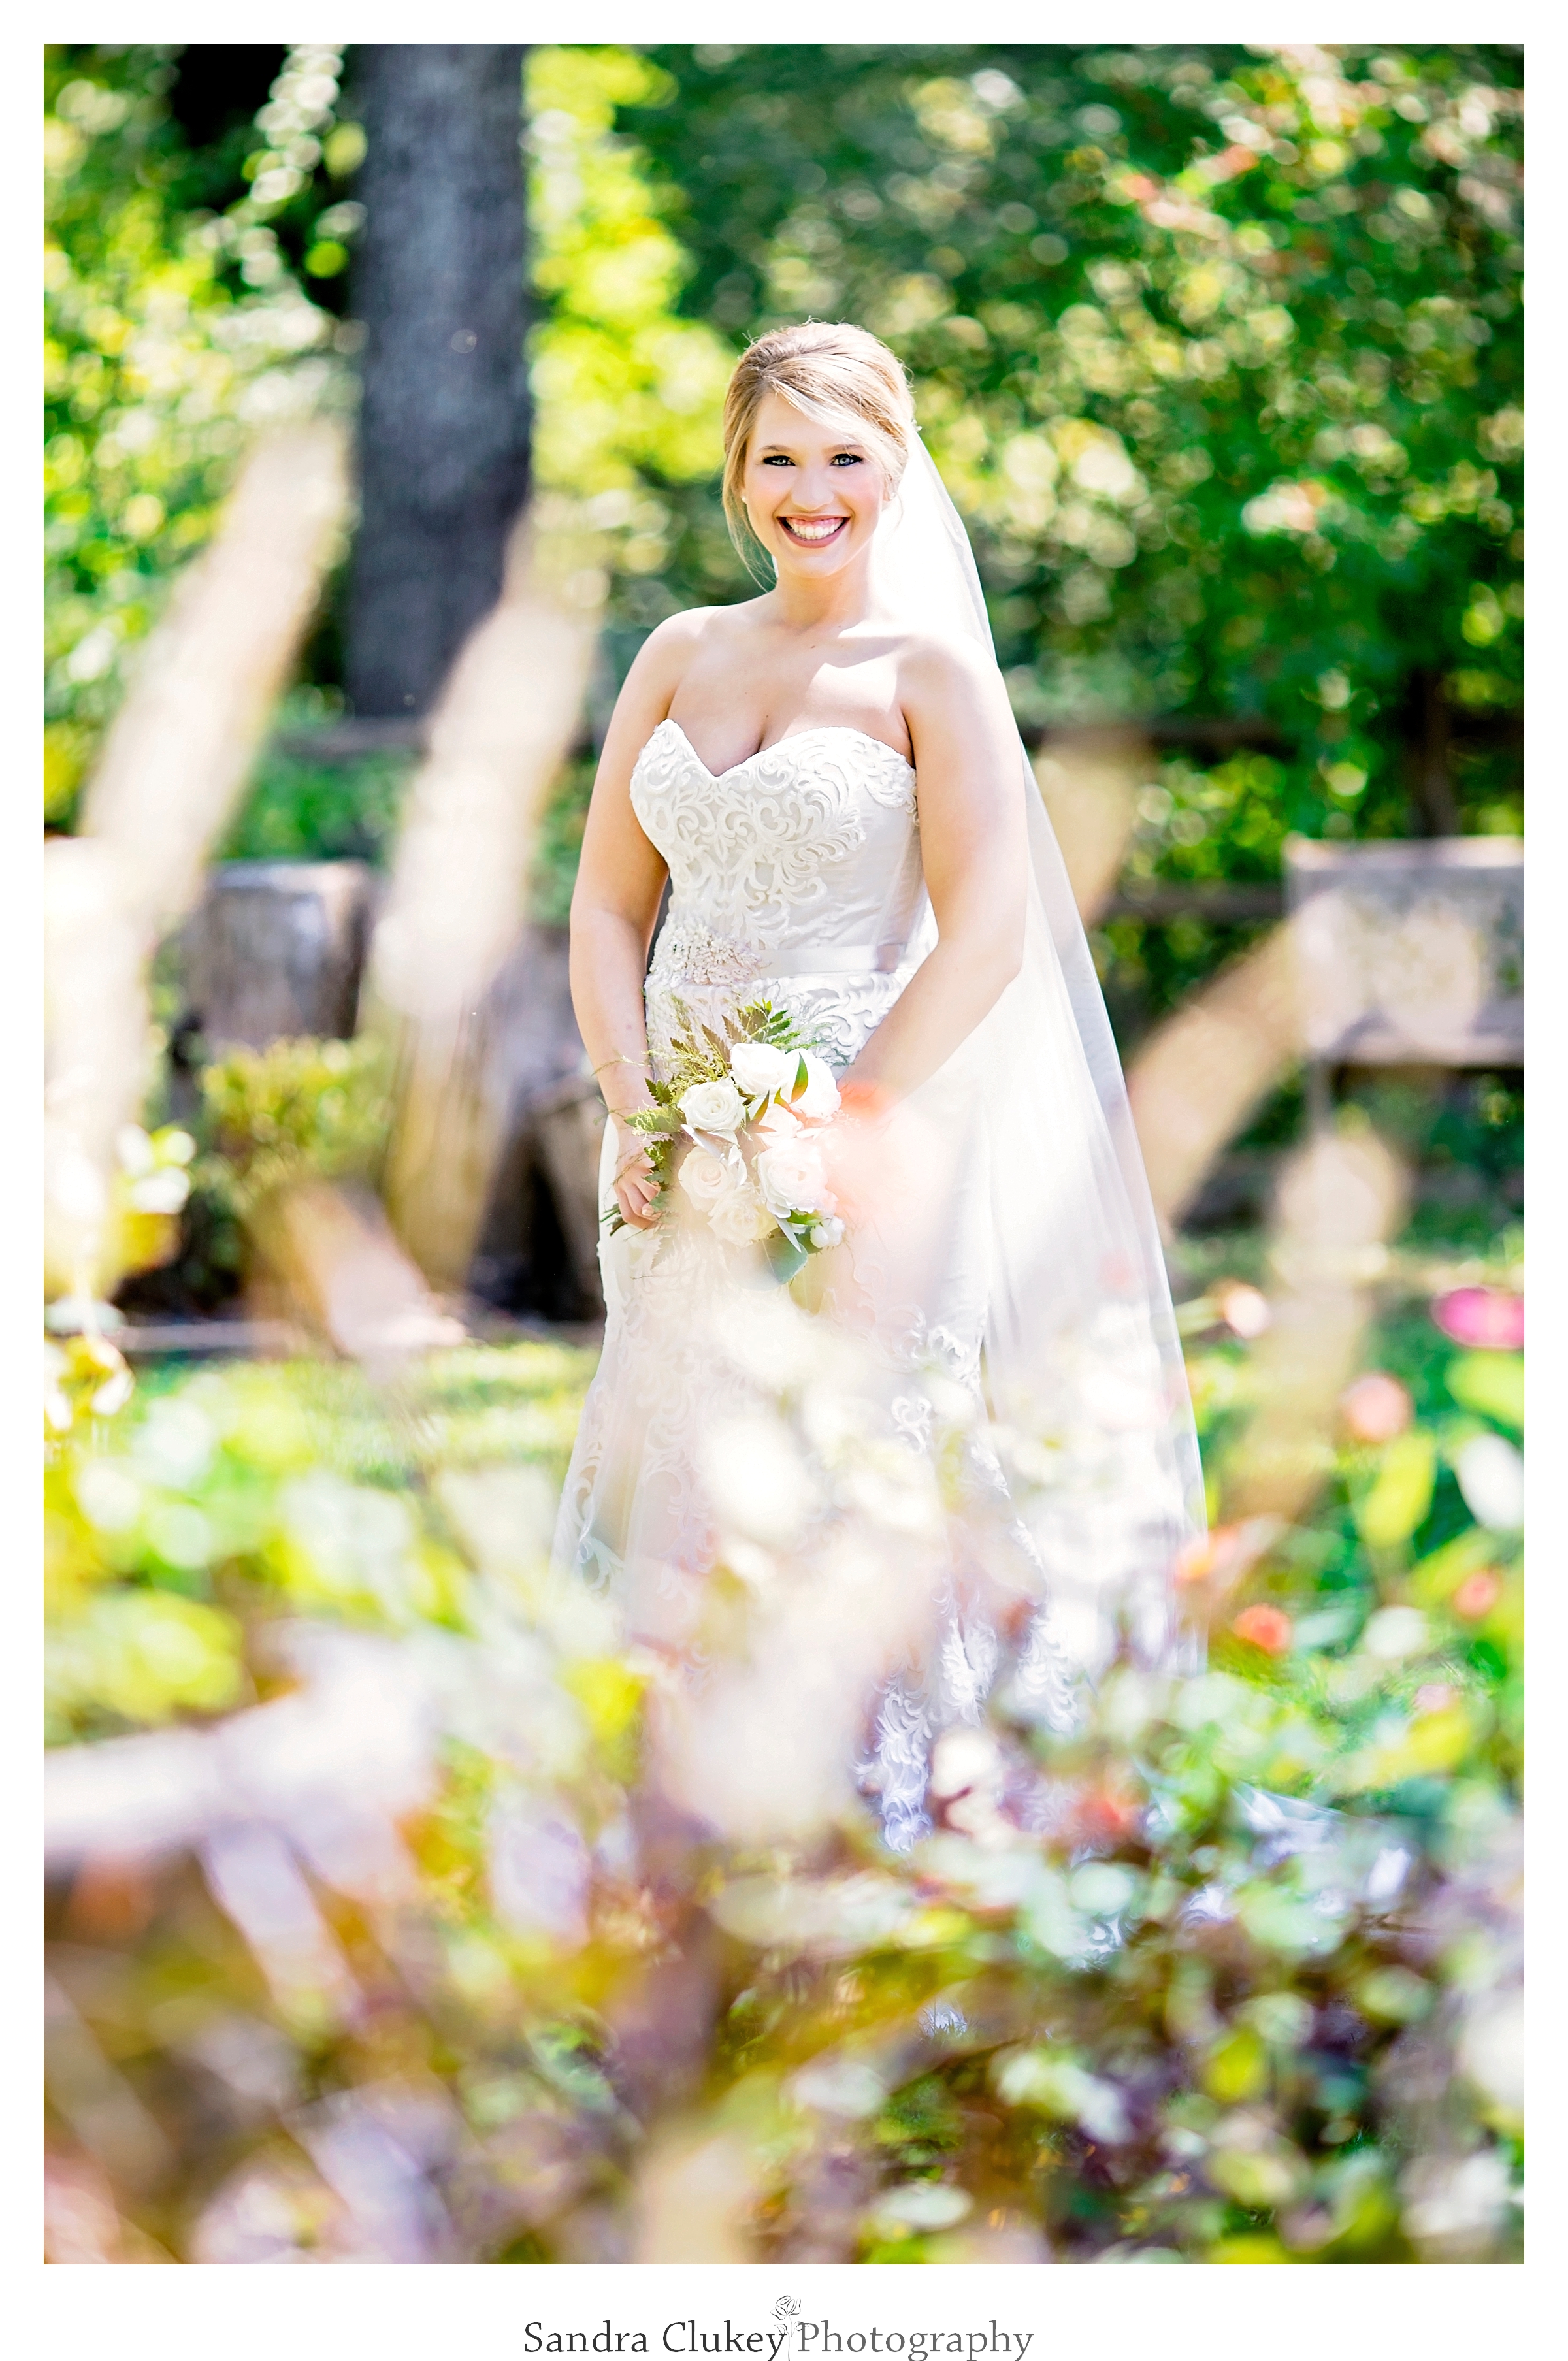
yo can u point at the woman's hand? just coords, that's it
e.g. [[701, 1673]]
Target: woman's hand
[[853, 1146], [635, 1183]]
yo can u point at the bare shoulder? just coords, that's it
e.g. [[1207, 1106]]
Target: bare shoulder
[[944, 676], [943, 663], [672, 645], [655, 678]]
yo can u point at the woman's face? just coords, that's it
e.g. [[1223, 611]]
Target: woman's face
[[814, 493]]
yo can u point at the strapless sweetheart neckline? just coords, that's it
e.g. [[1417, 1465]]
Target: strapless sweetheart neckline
[[821, 730]]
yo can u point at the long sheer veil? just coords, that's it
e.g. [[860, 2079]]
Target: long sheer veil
[[1083, 1363]]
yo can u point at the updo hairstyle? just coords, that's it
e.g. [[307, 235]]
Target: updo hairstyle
[[829, 369]]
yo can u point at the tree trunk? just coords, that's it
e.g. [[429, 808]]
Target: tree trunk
[[439, 286], [1428, 767]]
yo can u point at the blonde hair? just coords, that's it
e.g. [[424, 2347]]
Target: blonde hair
[[829, 369]]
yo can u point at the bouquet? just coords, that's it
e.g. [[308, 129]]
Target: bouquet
[[735, 1126]]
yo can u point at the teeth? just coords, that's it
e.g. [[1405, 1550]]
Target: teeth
[[803, 532]]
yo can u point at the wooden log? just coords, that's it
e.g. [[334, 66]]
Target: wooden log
[[549, 1135], [569, 1125], [275, 949]]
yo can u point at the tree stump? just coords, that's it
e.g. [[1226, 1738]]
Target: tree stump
[[275, 949], [538, 1244]]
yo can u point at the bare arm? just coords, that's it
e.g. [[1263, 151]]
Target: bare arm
[[615, 904], [975, 849]]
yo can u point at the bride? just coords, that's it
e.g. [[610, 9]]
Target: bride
[[957, 1451]]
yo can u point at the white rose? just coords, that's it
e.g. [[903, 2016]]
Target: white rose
[[777, 1123], [738, 1219], [758, 1071], [792, 1180], [706, 1178], [819, 1099], [829, 1233], [713, 1106]]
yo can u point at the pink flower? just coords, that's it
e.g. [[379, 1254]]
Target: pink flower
[[1486, 1316], [1477, 1595], [1227, 1552], [1375, 1408], [1244, 1310], [1269, 1628]]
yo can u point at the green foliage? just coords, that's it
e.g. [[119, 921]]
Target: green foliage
[[559, 844], [1218, 350], [1139, 292], [301, 1109], [258, 1488], [628, 394], [1240, 1996], [171, 333], [298, 810]]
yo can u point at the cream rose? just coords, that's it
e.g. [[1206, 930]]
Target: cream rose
[[819, 1099], [713, 1106], [738, 1220], [706, 1178], [792, 1180], [760, 1071]]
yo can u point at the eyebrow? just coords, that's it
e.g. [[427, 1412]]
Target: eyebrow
[[849, 442]]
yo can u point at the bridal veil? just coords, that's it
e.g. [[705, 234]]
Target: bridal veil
[[1083, 1366]]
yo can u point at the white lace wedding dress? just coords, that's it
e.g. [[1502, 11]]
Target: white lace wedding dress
[[968, 1471], [795, 876]]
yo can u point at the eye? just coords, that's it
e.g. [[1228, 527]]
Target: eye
[[777, 459], [846, 459]]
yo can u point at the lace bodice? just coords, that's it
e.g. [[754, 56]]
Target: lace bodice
[[808, 847], [913, 1538]]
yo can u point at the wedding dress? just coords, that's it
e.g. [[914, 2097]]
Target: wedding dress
[[987, 1410]]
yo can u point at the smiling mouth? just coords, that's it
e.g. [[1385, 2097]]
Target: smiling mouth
[[814, 533]]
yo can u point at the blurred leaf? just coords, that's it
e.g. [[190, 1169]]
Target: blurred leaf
[[1492, 1383], [1237, 2069], [1402, 1491]]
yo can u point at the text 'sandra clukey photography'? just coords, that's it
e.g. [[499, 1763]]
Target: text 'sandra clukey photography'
[[790, 2336]]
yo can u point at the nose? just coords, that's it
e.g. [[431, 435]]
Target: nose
[[815, 493]]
